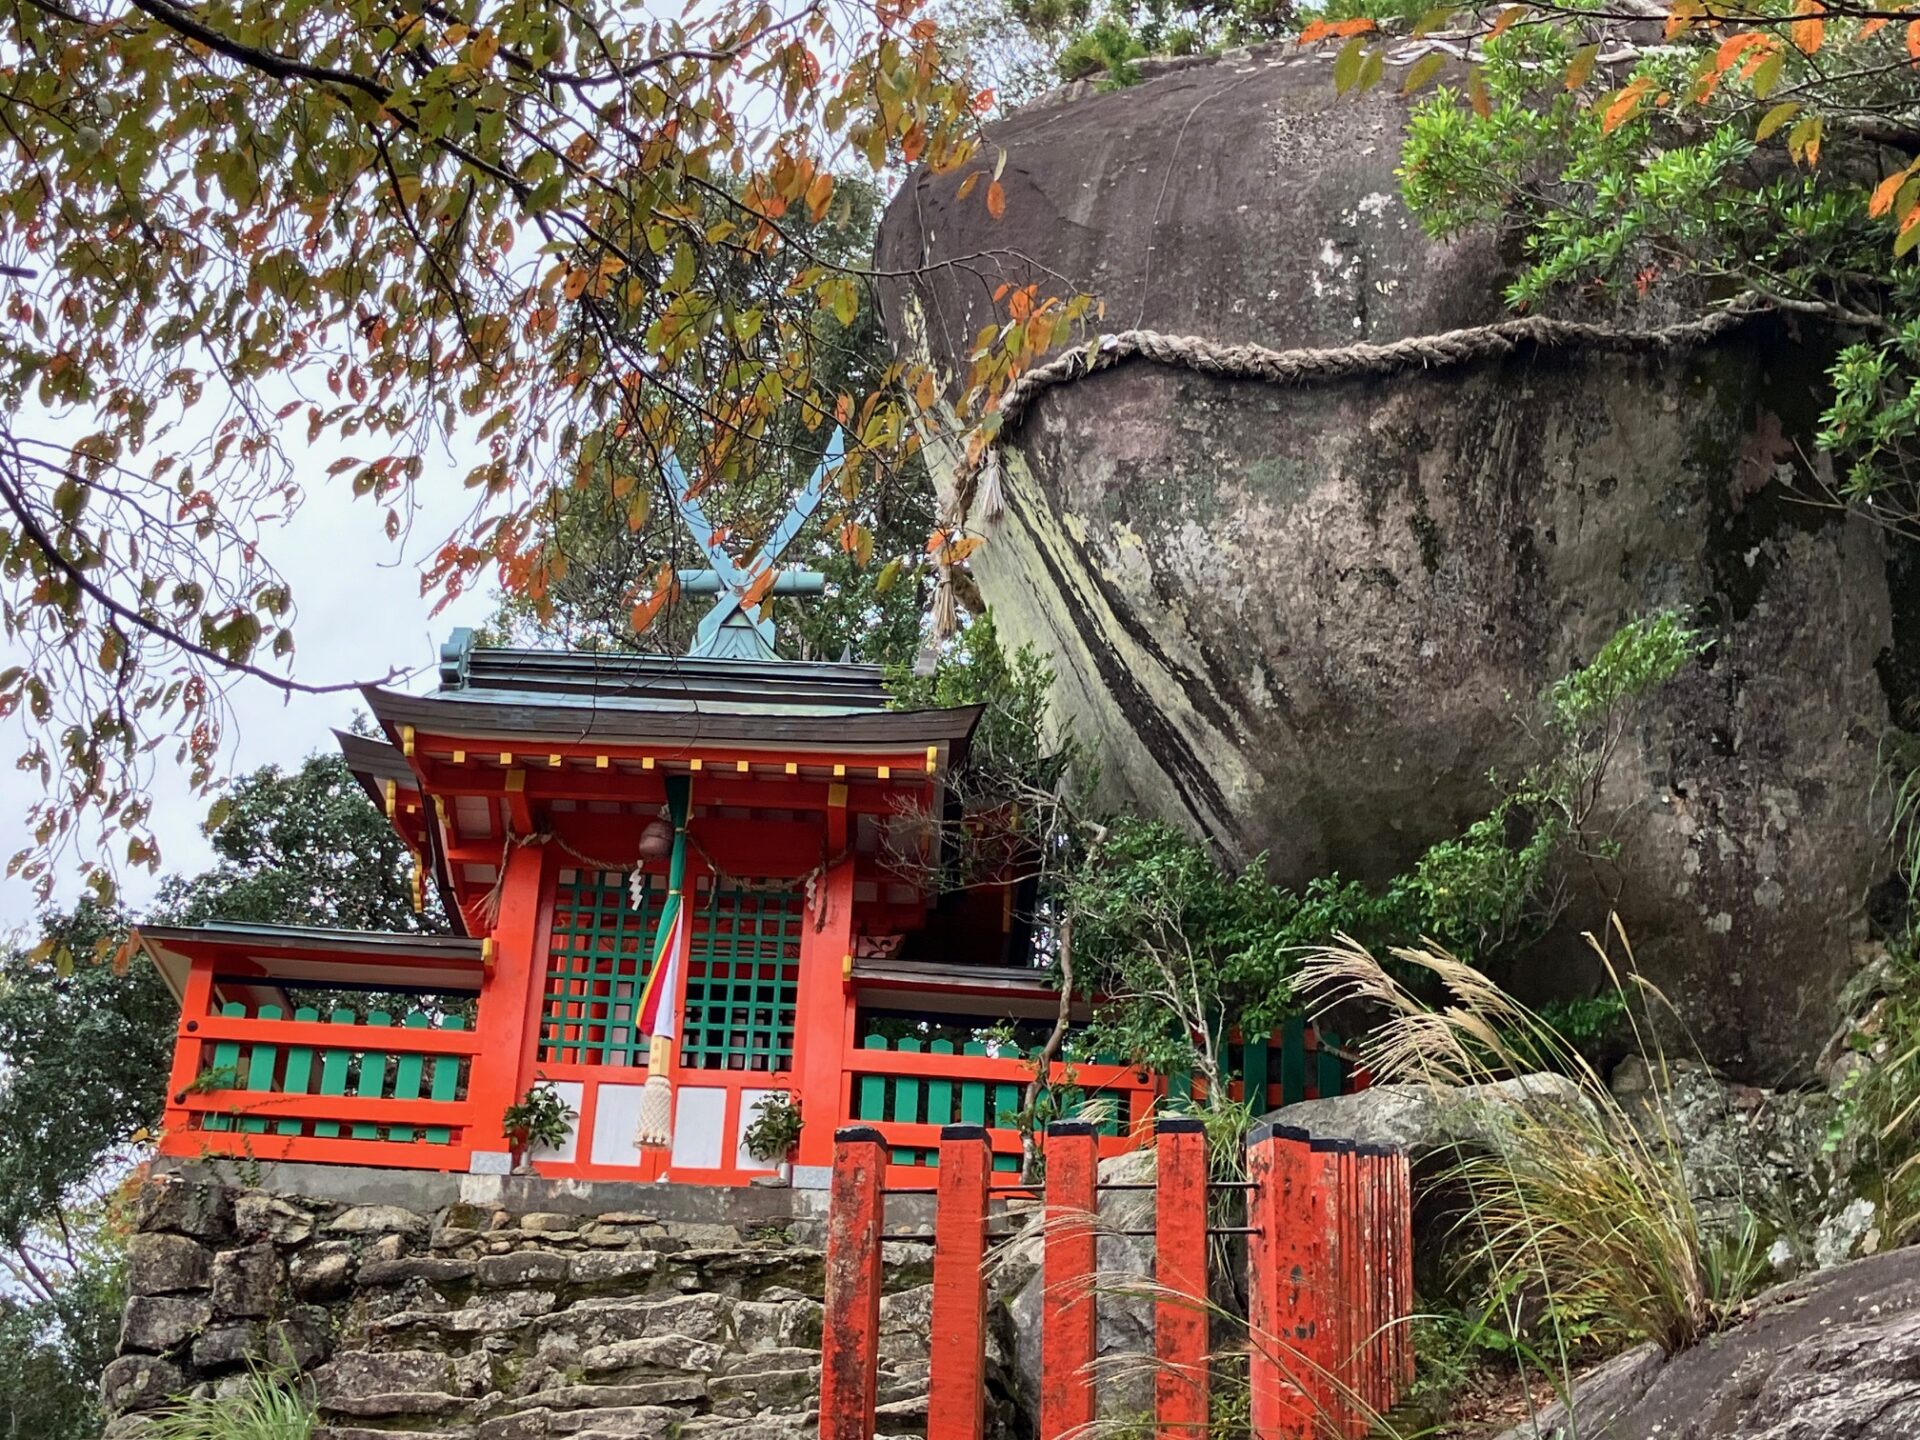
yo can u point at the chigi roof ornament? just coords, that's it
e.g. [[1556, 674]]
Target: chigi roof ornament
[[728, 630]]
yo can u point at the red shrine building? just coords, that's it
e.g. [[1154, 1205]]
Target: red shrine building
[[680, 885], [526, 785], [815, 957]]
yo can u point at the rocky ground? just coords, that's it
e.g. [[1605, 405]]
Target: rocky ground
[[481, 1324], [1833, 1356]]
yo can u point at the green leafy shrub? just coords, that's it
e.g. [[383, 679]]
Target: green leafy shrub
[[1690, 171], [539, 1119], [1107, 48], [775, 1129], [1106, 40]]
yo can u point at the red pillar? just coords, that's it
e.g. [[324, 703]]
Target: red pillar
[[1288, 1352], [508, 1019], [196, 1003], [1068, 1313], [850, 1340], [825, 1004], [1180, 1275], [957, 1349]]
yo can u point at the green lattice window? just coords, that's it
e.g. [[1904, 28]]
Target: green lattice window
[[742, 979], [597, 964]]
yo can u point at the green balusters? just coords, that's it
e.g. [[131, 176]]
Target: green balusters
[[973, 1093], [1330, 1072], [373, 1075], [1293, 1060], [906, 1099], [1006, 1102], [260, 1063], [333, 1075], [873, 1088], [1253, 1075], [940, 1092], [446, 1082], [407, 1068], [299, 1074], [225, 1073]]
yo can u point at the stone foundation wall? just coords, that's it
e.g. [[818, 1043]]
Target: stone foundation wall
[[480, 1322]]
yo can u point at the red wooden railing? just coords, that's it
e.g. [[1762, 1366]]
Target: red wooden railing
[[1329, 1260], [909, 1090], [911, 1096], [343, 1087]]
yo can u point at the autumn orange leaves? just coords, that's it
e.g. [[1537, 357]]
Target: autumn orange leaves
[[1769, 54]]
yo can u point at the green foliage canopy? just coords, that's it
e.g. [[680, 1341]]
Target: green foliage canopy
[[85, 1047], [302, 847], [1648, 167]]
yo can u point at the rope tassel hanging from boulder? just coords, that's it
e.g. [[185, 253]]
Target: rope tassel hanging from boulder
[[659, 1017]]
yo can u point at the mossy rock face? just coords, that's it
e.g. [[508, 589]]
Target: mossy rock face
[[1304, 621]]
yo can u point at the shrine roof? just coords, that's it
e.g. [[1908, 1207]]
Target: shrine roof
[[643, 681], [573, 695], [278, 954]]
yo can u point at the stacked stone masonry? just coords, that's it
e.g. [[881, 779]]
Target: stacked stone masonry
[[474, 1323]]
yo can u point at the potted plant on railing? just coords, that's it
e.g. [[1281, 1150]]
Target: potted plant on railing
[[539, 1119], [774, 1132]]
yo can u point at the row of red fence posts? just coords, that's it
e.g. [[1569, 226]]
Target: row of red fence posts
[[1329, 1270]]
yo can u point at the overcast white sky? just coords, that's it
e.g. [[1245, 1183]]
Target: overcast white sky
[[360, 613]]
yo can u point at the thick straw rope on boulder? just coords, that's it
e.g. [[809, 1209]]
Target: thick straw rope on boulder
[[1344, 362]]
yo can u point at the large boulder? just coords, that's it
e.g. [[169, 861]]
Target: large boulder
[[1433, 1121], [1303, 620], [1835, 1356]]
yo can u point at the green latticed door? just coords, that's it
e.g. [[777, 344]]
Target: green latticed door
[[597, 965], [742, 980]]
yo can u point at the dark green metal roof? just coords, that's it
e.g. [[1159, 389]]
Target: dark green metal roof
[[658, 682], [577, 695]]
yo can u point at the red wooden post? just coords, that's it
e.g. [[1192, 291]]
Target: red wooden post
[[1287, 1351], [1395, 1244], [956, 1386], [1333, 1196], [1068, 1313], [1390, 1244], [824, 1004], [850, 1342], [1353, 1253], [1180, 1273], [1373, 1255], [508, 1023], [1403, 1231], [1362, 1273]]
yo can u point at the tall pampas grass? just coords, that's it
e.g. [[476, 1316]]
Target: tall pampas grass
[[1569, 1201]]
